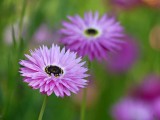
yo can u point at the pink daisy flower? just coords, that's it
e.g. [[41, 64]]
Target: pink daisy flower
[[43, 34], [149, 89], [54, 71], [125, 58], [130, 109], [126, 3], [156, 107], [92, 36]]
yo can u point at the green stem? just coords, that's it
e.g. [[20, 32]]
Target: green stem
[[24, 3], [43, 108], [83, 105], [157, 61]]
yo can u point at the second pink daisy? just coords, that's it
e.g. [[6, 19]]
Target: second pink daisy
[[92, 36]]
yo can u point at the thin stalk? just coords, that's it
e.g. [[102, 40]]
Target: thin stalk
[[83, 105], [43, 108], [24, 3], [157, 62]]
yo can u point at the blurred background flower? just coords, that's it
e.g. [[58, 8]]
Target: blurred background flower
[[156, 108], [92, 95], [149, 89], [8, 39], [152, 3], [126, 4], [130, 109], [8, 32], [125, 58], [155, 37], [142, 102], [45, 35]]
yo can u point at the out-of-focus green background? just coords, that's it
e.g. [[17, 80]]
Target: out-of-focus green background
[[19, 102]]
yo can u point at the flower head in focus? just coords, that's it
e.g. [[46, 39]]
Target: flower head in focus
[[54, 71], [92, 36], [130, 109]]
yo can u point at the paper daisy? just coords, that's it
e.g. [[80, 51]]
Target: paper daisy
[[92, 36], [126, 3], [125, 58], [54, 71], [130, 109]]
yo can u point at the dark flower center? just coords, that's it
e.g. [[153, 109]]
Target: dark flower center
[[91, 32], [57, 71]]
